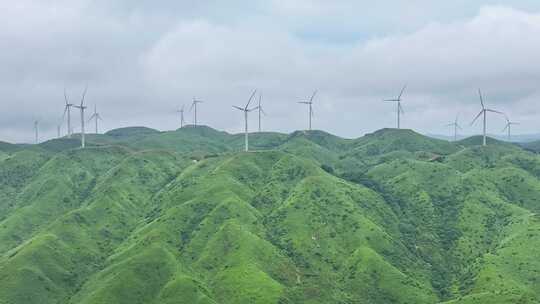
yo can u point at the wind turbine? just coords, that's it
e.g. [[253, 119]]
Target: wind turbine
[[246, 110], [456, 126], [67, 110], [310, 104], [484, 113], [36, 131], [399, 107], [82, 107], [95, 116], [181, 111], [194, 107], [508, 127], [261, 111]]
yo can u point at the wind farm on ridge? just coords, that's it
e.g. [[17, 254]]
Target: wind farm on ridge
[[66, 117]]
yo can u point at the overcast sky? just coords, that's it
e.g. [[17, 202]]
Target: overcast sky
[[144, 59]]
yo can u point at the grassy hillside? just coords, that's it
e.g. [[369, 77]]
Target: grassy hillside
[[143, 216], [532, 146]]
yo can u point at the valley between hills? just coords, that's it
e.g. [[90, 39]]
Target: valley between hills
[[142, 216]]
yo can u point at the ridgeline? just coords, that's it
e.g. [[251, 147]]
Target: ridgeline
[[142, 216]]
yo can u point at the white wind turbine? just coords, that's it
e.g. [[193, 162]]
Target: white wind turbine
[[310, 104], [82, 107], [182, 121], [484, 113], [456, 126], [261, 111], [194, 107], [67, 109], [36, 131], [95, 116], [399, 107], [508, 127], [246, 110]]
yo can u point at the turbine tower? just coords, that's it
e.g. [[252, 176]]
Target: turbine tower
[[82, 107], [36, 131], [194, 107], [261, 111], [310, 104], [484, 113], [246, 110], [95, 116], [399, 107], [508, 127], [456, 126], [67, 109], [182, 121]]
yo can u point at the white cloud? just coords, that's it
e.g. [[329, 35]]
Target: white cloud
[[140, 67]]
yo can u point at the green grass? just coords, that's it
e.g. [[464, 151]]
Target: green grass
[[143, 216]]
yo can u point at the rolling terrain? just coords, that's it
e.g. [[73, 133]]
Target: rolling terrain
[[143, 216]]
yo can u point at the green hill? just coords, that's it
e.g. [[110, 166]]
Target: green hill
[[8, 148], [532, 146], [478, 140], [142, 216], [131, 132]]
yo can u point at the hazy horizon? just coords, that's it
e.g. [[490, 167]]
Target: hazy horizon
[[516, 138]]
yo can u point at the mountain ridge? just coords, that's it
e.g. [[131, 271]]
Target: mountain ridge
[[307, 218]]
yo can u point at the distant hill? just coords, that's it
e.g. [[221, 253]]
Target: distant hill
[[8, 148], [184, 216], [478, 140], [131, 131], [518, 138], [532, 146]]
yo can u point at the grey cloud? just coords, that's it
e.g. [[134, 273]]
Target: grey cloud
[[142, 60]]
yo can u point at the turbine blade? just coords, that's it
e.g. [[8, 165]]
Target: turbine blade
[[65, 97], [253, 109], [481, 98], [84, 95], [477, 116], [505, 128], [239, 108], [304, 102], [390, 100], [313, 96], [401, 93], [262, 111], [495, 111], [250, 98], [64, 115], [401, 109]]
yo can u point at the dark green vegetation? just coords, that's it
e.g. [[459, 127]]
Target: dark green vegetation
[[143, 216], [532, 146]]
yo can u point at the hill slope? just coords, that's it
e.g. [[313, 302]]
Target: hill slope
[[182, 217]]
